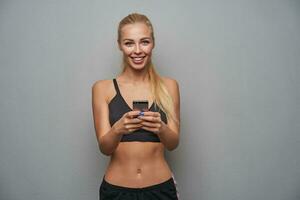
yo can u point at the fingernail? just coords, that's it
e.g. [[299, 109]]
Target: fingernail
[[141, 114]]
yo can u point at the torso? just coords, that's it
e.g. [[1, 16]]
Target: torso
[[136, 164]]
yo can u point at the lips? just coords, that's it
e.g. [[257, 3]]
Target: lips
[[138, 60]]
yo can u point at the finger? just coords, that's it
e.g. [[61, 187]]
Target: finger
[[154, 130], [150, 124], [132, 114], [150, 118], [150, 113], [133, 121], [133, 126]]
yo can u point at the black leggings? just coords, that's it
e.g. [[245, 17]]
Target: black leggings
[[163, 191]]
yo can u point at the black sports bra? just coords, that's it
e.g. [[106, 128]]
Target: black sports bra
[[118, 107]]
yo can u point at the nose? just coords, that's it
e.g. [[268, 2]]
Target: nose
[[137, 49]]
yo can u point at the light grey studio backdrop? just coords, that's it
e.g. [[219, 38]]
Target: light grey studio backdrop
[[237, 63]]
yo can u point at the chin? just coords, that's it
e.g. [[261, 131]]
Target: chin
[[137, 67]]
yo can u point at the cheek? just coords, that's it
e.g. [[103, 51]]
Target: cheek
[[126, 51], [148, 50]]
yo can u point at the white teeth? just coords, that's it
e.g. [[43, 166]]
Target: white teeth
[[138, 60]]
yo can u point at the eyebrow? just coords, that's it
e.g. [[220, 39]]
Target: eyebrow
[[133, 40]]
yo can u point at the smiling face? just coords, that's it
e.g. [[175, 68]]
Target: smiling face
[[136, 43]]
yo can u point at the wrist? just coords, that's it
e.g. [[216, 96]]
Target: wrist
[[116, 131], [162, 128]]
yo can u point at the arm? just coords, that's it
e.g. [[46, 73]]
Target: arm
[[168, 137], [109, 137], [168, 133]]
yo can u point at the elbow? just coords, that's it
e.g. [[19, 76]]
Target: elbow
[[104, 150], [106, 153], [173, 146], [172, 143]]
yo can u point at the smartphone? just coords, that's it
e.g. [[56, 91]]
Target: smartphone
[[141, 105]]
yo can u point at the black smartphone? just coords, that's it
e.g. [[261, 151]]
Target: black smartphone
[[141, 105]]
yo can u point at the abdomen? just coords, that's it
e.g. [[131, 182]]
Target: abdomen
[[138, 164]]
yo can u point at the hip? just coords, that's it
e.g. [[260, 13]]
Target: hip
[[165, 190]]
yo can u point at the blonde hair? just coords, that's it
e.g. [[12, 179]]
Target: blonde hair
[[159, 91]]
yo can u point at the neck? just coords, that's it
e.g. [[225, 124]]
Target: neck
[[135, 76]]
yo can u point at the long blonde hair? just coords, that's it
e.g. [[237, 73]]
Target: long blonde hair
[[159, 91]]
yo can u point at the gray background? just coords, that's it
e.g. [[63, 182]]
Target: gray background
[[237, 63]]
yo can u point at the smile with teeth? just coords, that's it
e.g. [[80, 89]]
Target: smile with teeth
[[138, 60]]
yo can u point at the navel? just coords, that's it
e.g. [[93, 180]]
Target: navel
[[139, 171]]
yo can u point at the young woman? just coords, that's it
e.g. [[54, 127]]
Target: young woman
[[135, 139]]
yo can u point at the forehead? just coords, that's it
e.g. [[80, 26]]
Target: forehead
[[132, 31]]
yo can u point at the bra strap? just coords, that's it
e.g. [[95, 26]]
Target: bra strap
[[116, 86]]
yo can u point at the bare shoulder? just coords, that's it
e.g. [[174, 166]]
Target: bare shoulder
[[103, 89], [101, 84], [170, 83], [173, 89]]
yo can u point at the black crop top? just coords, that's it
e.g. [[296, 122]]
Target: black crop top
[[118, 107]]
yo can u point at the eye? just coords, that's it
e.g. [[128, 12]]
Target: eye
[[145, 42], [128, 43]]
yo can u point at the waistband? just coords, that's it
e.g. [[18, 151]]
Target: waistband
[[168, 182]]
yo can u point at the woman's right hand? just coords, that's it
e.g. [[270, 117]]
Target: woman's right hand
[[128, 123]]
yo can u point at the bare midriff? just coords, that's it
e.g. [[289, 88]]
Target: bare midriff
[[138, 164]]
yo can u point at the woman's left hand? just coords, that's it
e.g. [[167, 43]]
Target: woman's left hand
[[151, 121]]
